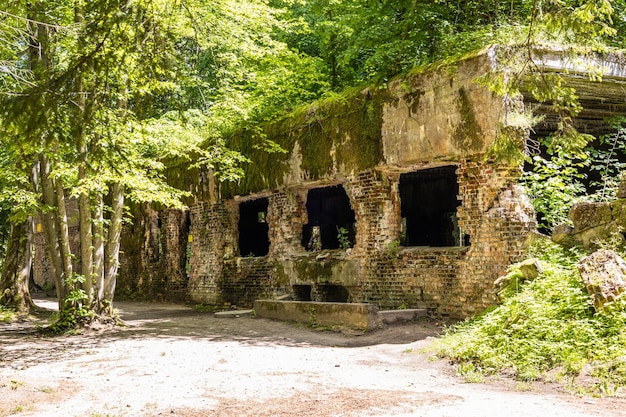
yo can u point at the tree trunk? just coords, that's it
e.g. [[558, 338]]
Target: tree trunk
[[84, 207], [64, 233], [17, 267], [50, 222], [86, 239], [112, 252], [98, 248], [64, 240]]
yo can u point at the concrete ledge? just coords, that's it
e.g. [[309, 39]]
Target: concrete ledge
[[352, 315], [234, 313], [392, 316]]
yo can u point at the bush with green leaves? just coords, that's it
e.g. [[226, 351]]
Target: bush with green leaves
[[546, 330], [557, 181], [79, 314]]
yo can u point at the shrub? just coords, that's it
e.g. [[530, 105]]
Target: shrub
[[547, 330]]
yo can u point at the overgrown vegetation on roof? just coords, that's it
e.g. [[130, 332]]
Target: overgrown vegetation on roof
[[342, 129]]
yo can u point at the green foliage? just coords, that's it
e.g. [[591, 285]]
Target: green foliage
[[6, 315], [559, 180], [607, 156], [553, 186], [367, 40], [348, 123], [69, 320], [343, 236], [393, 249], [242, 71], [546, 330], [76, 312]]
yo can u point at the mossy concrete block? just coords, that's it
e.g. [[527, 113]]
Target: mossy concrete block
[[329, 270], [589, 238], [360, 316], [604, 275], [562, 235], [588, 215]]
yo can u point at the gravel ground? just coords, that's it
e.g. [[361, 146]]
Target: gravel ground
[[175, 361]]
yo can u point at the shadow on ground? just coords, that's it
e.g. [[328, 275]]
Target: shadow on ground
[[22, 344]]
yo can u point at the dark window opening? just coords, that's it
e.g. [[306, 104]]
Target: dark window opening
[[302, 292], [331, 220], [253, 228], [428, 206], [333, 293]]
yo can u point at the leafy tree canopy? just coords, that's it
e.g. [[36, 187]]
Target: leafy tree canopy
[[365, 40]]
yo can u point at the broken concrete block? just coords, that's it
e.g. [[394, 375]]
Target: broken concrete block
[[517, 274], [588, 215], [604, 275], [562, 235]]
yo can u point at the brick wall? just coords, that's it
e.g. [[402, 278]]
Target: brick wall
[[140, 273], [498, 217], [153, 255], [453, 281], [286, 215], [376, 203]]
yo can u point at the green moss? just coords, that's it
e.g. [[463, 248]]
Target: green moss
[[468, 134], [348, 124], [451, 62]]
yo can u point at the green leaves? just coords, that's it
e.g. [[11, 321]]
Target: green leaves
[[545, 330], [562, 178]]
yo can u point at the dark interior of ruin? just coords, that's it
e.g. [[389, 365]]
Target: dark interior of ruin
[[331, 219], [329, 293], [302, 292], [253, 228], [428, 207]]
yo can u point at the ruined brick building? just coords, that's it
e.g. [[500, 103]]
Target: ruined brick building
[[385, 196]]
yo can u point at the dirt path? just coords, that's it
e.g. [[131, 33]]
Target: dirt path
[[172, 360]]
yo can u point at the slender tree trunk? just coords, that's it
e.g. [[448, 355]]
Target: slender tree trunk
[[40, 62], [64, 235], [86, 235], [50, 222], [84, 205], [17, 266], [112, 251], [86, 239], [98, 248]]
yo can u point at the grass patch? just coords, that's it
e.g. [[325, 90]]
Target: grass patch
[[7, 315], [205, 308], [546, 329]]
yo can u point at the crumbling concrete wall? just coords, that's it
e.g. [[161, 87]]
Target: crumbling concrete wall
[[441, 115], [454, 281]]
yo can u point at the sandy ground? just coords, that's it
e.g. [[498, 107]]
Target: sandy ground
[[171, 360]]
